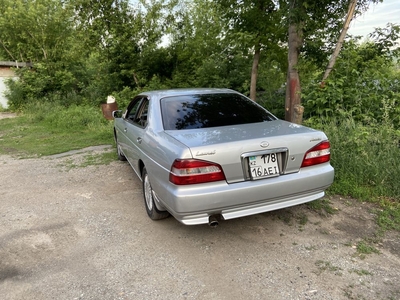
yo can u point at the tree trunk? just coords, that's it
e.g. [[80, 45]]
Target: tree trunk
[[293, 88], [349, 17], [254, 72], [298, 114]]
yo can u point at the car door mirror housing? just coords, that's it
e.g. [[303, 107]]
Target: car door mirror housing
[[117, 114]]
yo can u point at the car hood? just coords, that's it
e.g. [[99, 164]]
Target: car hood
[[226, 145]]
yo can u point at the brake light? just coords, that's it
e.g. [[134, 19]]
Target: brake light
[[317, 155], [192, 171]]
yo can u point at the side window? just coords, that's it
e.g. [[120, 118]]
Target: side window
[[133, 109], [137, 111], [142, 113]]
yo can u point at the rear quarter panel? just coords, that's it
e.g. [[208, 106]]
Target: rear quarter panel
[[157, 153]]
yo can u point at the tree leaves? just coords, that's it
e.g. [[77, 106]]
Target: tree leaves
[[34, 30]]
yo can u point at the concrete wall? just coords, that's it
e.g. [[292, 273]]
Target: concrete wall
[[5, 73]]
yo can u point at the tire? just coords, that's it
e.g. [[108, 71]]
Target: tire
[[120, 154], [151, 208]]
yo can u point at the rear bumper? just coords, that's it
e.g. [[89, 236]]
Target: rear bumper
[[249, 210], [192, 205]]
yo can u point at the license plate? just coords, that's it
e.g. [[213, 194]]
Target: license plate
[[262, 166]]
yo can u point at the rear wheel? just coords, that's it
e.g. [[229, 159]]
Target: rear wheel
[[120, 154], [151, 208]]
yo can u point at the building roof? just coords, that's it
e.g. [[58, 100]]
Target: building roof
[[14, 64]]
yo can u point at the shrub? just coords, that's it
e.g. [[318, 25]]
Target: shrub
[[365, 158]]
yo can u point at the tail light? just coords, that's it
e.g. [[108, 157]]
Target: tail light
[[317, 155], [192, 171]]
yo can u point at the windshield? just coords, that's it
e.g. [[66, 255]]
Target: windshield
[[210, 110]]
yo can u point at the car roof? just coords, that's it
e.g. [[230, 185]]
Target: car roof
[[186, 91]]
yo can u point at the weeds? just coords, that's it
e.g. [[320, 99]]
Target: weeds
[[364, 248], [365, 159], [322, 205], [286, 217], [90, 160], [302, 219], [327, 266], [366, 156], [361, 272], [48, 129], [389, 217]]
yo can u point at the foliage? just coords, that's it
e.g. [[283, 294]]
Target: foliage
[[364, 86], [364, 158], [29, 38], [364, 248], [322, 22], [201, 52], [389, 216], [85, 48], [90, 49]]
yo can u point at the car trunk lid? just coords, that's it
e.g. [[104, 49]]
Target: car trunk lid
[[231, 146]]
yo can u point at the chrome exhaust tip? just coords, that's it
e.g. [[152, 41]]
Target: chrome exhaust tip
[[212, 221]]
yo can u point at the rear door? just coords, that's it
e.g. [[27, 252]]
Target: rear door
[[135, 120]]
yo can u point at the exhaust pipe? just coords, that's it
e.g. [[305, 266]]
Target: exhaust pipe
[[212, 221]]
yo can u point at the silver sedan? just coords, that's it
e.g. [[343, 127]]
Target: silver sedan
[[209, 154]]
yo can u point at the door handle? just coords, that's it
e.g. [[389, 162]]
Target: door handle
[[125, 130], [139, 140]]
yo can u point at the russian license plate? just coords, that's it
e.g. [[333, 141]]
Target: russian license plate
[[265, 165]]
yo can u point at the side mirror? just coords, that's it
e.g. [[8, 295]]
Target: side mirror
[[117, 114]]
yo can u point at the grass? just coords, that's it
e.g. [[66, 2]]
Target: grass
[[364, 248], [91, 160], [327, 266], [52, 131], [389, 217], [322, 205], [360, 272], [98, 159], [366, 158]]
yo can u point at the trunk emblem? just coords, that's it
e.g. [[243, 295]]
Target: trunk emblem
[[201, 153], [264, 144]]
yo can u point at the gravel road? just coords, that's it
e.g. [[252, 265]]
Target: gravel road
[[82, 233]]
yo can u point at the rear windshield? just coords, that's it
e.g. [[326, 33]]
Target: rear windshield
[[210, 110]]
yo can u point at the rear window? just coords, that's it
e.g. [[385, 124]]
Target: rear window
[[210, 110]]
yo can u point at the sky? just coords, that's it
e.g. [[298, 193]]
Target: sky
[[378, 15]]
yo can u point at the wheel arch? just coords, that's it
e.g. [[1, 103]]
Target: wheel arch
[[141, 167], [159, 211]]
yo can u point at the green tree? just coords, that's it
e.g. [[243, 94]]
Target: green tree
[[318, 23], [81, 47], [40, 32], [127, 36], [34, 30], [363, 86], [258, 24], [197, 45]]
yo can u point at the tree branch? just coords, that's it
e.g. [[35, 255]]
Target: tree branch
[[350, 14], [5, 48]]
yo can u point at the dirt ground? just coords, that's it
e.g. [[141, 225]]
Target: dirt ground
[[5, 115], [83, 233]]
